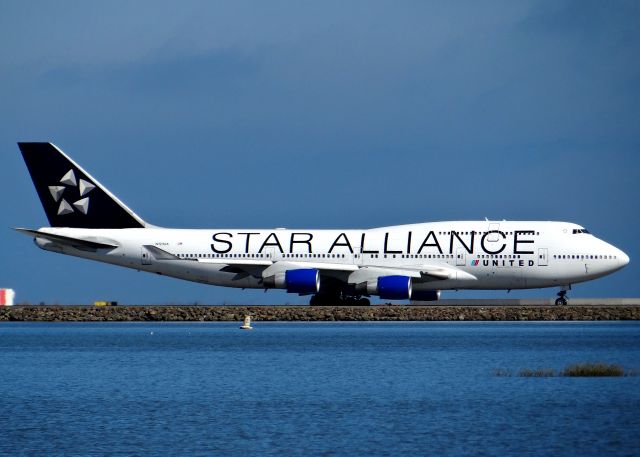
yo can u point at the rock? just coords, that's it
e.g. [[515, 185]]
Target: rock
[[317, 313]]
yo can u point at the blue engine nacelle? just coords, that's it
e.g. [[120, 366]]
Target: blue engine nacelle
[[394, 287], [303, 281], [299, 281]]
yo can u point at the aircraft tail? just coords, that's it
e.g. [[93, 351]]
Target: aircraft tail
[[71, 197]]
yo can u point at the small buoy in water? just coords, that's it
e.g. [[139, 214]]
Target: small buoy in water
[[246, 324]]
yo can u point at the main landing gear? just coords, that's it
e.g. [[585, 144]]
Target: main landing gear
[[562, 297], [335, 300]]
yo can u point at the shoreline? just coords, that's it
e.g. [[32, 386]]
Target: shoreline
[[196, 313]]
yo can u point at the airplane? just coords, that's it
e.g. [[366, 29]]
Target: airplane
[[335, 267]]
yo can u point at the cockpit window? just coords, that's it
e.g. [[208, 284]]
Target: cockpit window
[[575, 231]]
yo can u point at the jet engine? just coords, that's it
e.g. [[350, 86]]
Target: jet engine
[[300, 281], [425, 295], [394, 287], [387, 287]]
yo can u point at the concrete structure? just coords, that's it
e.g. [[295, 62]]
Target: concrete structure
[[6, 297]]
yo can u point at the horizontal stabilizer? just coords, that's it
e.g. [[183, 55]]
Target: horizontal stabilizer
[[77, 243]]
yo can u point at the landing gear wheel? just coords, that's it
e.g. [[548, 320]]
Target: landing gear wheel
[[561, 301], [333, 300], [318, 300], [324, 300]]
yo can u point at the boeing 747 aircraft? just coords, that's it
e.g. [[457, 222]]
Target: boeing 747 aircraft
[[335, 267]]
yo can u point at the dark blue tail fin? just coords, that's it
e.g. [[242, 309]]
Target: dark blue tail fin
[[71, 197]]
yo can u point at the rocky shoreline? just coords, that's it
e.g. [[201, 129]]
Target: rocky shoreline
[[320, 313]]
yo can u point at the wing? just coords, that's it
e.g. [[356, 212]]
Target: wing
[[349, 273], [419, 273]]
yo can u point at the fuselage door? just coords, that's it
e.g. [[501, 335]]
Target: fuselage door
[[145, 257], [461, 257], [358, 255], [270, 253], [543, 254], [494, 234]]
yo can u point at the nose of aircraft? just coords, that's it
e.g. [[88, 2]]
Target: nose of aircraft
[[623, 258]]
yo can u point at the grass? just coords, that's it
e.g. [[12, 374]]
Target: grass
[[576, 370], [594, 369]]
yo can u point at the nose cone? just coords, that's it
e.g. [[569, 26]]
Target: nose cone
[[623, 258]]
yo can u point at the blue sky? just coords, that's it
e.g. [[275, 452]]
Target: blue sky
[[321, 114]]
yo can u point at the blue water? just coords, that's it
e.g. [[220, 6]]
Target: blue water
[[315, 389]]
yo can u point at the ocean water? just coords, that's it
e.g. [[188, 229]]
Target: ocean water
[[328, 389]]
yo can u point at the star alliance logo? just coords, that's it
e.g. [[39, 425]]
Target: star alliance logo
[[69, 181]]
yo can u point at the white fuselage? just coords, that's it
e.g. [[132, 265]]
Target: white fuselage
[[462, 255]]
